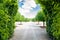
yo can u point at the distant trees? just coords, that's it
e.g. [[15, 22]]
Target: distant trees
[[40, 17], [21, 18], [17, 17], [33, 19], [27, 19]]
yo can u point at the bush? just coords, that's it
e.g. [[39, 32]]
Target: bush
[[4, 18], [8, 9], [53, 23], [52, 13]]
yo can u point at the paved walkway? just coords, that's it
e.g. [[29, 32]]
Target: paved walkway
[[29, 31]]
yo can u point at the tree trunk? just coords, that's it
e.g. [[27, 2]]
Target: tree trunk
[[43, 23], [38, 23], [20, 23]]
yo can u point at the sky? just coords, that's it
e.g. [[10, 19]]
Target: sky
[[28, 8]]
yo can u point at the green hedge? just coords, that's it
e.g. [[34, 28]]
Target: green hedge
[[52, 13], [53, 19], [8, 10]]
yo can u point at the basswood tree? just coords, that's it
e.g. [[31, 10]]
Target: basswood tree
[[40, 17], [20, 17]]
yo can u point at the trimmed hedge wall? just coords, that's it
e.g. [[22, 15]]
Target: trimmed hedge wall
[[52, 13], [8, 10]]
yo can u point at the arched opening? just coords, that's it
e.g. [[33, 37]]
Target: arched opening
[[29, 10], [8, 10], [52, 10], [30, 30]]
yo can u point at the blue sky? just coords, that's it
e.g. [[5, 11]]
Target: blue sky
[[28, 8]]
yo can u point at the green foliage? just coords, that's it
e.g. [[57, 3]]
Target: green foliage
[[52, 13], [20, 18], [8, 9], [27, 19], [34, 19], [17, 17], [40, 16], [4, 18]]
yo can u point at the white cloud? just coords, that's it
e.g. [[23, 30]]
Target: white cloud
[[25, 10], [20, 0], [29, 4]]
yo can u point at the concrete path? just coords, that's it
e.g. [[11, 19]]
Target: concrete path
[[29, 31]]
